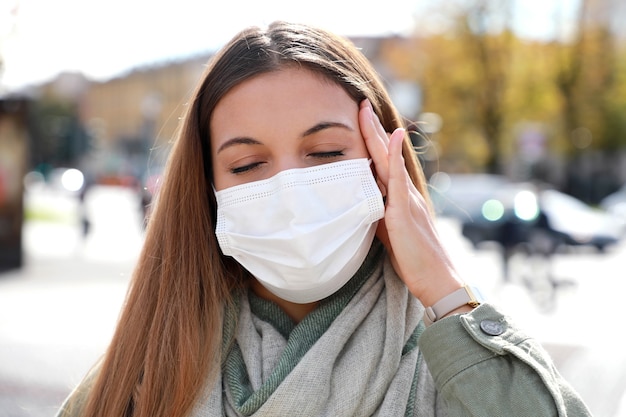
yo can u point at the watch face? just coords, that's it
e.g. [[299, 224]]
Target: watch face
[[476, 297]]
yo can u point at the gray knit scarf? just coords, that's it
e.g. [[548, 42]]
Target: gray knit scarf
[[355, 355]]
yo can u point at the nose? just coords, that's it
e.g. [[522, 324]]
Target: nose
[[284, 162]]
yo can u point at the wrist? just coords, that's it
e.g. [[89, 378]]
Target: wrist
[[466, 308], [459, 301], [438, 290]]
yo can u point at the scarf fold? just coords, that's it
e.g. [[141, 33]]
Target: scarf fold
[[354, 355]]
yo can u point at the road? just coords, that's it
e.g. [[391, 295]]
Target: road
[[58, 312]]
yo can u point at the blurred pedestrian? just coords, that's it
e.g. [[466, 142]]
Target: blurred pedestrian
[[84, 217], [284, 272]]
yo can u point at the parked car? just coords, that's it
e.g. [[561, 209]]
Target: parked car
[[575, 223], [462, 196], [491, 208], [615, 204]]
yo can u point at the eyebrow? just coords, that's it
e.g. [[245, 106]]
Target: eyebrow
[[325, 125], [244, 140], [237, 141]]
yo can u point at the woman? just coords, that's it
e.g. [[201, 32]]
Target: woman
[[289, 256]]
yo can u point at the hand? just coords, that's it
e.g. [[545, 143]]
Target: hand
[[407, 230]]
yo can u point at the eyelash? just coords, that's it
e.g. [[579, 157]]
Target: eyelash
[[245, 168], [331, 154], [321, 155]]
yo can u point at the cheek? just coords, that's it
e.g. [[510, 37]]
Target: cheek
[[218, 183], [219, 179]]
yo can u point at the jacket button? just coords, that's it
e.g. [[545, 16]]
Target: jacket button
[[492, 328]]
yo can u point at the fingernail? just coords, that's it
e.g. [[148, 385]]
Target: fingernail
[[399, 131]]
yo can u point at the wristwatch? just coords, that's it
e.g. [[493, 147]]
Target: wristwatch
[[467, 295]]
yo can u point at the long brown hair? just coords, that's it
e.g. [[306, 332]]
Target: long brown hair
[[168, 342]]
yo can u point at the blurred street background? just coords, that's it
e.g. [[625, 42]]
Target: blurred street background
[[516, 109]]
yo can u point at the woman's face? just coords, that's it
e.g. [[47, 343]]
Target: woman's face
[[292, 118]]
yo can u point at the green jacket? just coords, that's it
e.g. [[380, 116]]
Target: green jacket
[[491, 368]]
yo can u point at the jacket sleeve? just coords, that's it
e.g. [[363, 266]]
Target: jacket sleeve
[[483, 365]]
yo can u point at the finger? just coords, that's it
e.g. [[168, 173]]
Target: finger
[[380, 130], [400, 176], [397, 186], [375, 142]]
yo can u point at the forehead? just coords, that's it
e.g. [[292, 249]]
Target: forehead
[[279, 100], [292, 74]]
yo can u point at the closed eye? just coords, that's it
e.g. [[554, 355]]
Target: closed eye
[[331, 154], [245, 168]]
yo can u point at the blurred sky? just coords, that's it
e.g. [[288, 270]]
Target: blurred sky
[[40, 38]]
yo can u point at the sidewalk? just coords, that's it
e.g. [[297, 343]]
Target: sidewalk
[[58, 312]]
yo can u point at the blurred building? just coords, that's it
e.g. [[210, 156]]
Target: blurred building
[[143, 105], [134, 116]]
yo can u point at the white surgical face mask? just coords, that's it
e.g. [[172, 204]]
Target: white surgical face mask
[[304, 232]]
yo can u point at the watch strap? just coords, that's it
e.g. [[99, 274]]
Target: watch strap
[[466, 295]]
